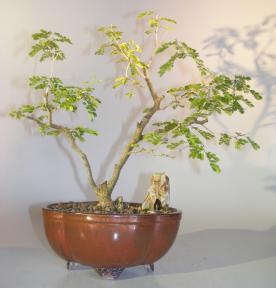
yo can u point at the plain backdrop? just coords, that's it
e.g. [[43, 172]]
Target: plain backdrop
[[231, 215]]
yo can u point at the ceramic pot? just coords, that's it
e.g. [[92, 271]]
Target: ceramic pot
[[110, 242]]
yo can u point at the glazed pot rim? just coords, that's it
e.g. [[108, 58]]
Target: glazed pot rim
[[48, 208]]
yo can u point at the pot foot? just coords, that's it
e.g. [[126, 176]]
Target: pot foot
[[149, 267], [110, 273], [76, 266]]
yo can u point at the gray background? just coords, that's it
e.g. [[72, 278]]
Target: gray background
[[228, 218]]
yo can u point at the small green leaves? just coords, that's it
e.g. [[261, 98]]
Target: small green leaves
[[213, 161], [57, 37], [164, 47], [168, 20], [38, 82], [154, 138], [166, 67], [101, 49], [22, 111], [205, 134], [174, 145], [256, 94], [225, 139], [78, 132], [119, 81], [240, 142], [27, 109], [129, 94], [126, 52], [47, 45], [239, 139], [53, 133], [155, 22], [145, 13], [17, 114], [111, 32], [182, 50], [254, 145], [66, 97], [214, 94]]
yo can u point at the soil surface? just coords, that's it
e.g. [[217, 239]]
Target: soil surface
[[91, 207]]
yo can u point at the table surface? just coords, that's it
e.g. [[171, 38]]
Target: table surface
[[40, 268]]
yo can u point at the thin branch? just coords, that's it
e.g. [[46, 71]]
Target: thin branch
[[137, 135], [83, 157], [156, 43], [68, 135], [153, 93]]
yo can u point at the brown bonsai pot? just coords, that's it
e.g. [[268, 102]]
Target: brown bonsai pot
[[110, 242]]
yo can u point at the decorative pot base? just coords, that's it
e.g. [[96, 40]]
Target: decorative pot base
[[76, 266], [110, 273], [106, 273]]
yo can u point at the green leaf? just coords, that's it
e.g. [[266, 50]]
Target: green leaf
[[166, 67], [38, 82], [174, 145], [122, 80], [17, 114], [225, 139], [254, 145], [153, 22], [27, 109], [207, 135], [101, 49], [53, 133], [154, 138], [215, 167], [239, 143], [90, 131], [143, 14], [47, 45], [213, 160], [129, 94], [164, 46], [256, 95], [168, 20]]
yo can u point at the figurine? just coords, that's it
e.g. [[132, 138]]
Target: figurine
[[158, 193], [164, 190]]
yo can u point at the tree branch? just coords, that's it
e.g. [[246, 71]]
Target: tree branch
[[68, 135], [137, 135], [83, 157]]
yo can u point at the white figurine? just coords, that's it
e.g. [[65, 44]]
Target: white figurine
[[164, 190], [158, 193]]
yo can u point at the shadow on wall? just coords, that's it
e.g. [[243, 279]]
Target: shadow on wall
[[259, 43]]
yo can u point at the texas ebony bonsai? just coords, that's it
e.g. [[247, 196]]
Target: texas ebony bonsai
[[213, 94]]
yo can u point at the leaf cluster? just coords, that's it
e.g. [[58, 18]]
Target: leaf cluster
[[127, 52], [155, 22], [54, 94], [48, 45], [180, 51]]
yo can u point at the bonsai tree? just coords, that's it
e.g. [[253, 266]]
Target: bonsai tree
[[213, 94]]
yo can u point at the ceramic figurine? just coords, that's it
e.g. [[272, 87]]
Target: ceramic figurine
[[158, 193], [164, 190]]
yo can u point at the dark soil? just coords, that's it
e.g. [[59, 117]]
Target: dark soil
[[91, 207]]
